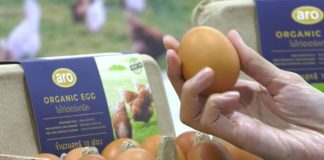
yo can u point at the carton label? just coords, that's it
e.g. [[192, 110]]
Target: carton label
[[81, 101], [291, 36]]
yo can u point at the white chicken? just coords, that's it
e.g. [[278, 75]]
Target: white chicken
[[96, 16], [24, 40], [134, 6]]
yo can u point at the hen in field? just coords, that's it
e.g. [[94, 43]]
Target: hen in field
[[24, 40], [79, 10], [146, 39], [133, 6]]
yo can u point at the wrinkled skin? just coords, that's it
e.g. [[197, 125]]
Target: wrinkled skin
[[278, 116]]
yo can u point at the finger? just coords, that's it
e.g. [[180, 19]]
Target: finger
[[174, 71], [217, 110], [248, 90], [236, 128], [191, 102], [170, 42], [253, 63]]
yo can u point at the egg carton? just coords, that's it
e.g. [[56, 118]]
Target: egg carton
[[13, 157], [226, 15], [18, 132]]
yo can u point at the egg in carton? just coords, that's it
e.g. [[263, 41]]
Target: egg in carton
[[18, 134]]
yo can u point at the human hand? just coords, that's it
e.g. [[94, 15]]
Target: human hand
[[277, 116]]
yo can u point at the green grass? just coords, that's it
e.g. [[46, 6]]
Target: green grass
[[61, 36], [142, 130], [319, 86]]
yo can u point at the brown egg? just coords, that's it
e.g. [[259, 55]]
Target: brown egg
[[79, 152], [92, 157], [185, 141], [74, 154], [205, 46], [240, 154], [208, 150], [113, 149], [136, 154], [152, 145], [49, 156]]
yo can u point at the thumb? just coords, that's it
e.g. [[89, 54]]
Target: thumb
[[252, 63]]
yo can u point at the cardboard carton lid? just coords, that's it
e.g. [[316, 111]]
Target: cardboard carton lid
[[13, 157], [226, 15]]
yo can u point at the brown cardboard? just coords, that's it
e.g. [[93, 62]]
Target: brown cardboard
[[17, 133], [226, 15], [12, 157], [18, 136]]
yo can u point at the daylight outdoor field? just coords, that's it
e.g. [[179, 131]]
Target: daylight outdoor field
[[61, 36]]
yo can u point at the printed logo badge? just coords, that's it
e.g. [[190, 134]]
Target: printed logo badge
[[64, 77], [307, 15], [136, 66]]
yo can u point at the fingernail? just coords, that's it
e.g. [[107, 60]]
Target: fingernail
[[167, 36], [238, 36], [204, 73], [170, 51]]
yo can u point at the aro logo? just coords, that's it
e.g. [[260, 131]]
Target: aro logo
[[307, 15], [64, 77]]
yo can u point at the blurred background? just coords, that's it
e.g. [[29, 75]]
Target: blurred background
[[67, 27], [43, 28]]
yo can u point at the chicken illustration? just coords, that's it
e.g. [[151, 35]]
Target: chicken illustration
[[141, 108], [121, 122], [129, 96], [140, 102], [146, 39], [24, 40], [139, 86]]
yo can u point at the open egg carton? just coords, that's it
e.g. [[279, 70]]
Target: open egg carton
[[18, 136]]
